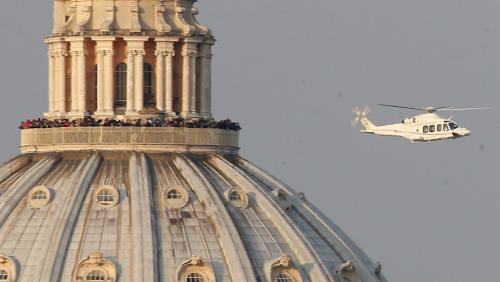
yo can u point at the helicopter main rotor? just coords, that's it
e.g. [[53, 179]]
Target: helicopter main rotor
[[432, 109]]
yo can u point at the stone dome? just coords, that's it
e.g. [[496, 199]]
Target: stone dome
[[162, 216], [129, 178]]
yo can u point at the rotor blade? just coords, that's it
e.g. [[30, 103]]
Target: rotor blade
[[461, 109], [402, 107], [366, 110], [356, 110]]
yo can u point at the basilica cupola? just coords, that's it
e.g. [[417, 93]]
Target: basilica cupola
[[128, 59]]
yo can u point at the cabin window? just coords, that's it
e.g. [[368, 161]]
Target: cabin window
[[432, 128], [453, 126], [445, 127], [425, 129], [439, 127]]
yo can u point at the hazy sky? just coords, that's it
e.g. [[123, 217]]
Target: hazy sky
[[292, 70]]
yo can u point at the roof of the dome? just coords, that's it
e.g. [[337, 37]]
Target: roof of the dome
[[133, 216]]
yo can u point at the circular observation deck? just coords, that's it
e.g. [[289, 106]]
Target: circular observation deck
[[153, 139]]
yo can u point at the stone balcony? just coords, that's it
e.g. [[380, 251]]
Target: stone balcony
[[152, 139]]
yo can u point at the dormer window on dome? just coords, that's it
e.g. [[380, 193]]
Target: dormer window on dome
[[107, 196], [282, 277], [237, 198], [195, 270], [195, 277], [284, 270], [95, 268], [176, 197], [4, 275], [96, 275], [38, 197], [8, 271]]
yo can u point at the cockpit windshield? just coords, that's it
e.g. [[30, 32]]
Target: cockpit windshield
[[453, 125]]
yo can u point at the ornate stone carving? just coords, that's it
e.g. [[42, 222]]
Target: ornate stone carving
[[165, 52], [104, 52], [135, 24], [160, 23], [283, 265], [95, 262], [202, 28], [77, 52], [8, 265], [196, 264], [284, 261], [86, 12], [187, 29], [346, 272], [69, 16], [110, 17]]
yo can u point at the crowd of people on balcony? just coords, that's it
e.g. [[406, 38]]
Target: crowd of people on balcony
[[149, 122]]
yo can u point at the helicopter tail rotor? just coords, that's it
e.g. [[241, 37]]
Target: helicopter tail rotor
[[359, 114]]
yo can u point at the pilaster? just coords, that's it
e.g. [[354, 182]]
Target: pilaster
[[205, 79], [51, 82], [164, 75], [104, 53], [135, 74], [78, 78], [189, 54], [60, 52]]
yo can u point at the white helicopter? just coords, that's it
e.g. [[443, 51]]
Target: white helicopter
[[425, 127]]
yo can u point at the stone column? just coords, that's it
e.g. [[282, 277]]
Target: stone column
[[189, 53], [130, 83], [108, 82], [160, 79], [135, 74], [74, 81], [104, 52], [60, 52], [51, 106], [164, 75], [78, 78], [139, 80], [205, 79]]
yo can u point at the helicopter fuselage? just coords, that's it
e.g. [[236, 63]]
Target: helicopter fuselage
[[426, 127]]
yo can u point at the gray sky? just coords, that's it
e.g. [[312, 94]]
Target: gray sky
[[291, 71]]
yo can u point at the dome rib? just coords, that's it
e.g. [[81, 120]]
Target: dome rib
[[297, 241], [58, 234], [14, 165], [11, 198], [334, 236], [143, 236], [231, 243]]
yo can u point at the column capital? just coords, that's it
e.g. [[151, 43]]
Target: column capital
[[164, 52], [58, 53], [104, 52], [78, 52]]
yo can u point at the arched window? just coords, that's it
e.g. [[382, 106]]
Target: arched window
[[149, 98], [95, 275], [282, 277], [4, 275], [174, 194], [105, 197], [195, 277], [121, 85], [39, 195]]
